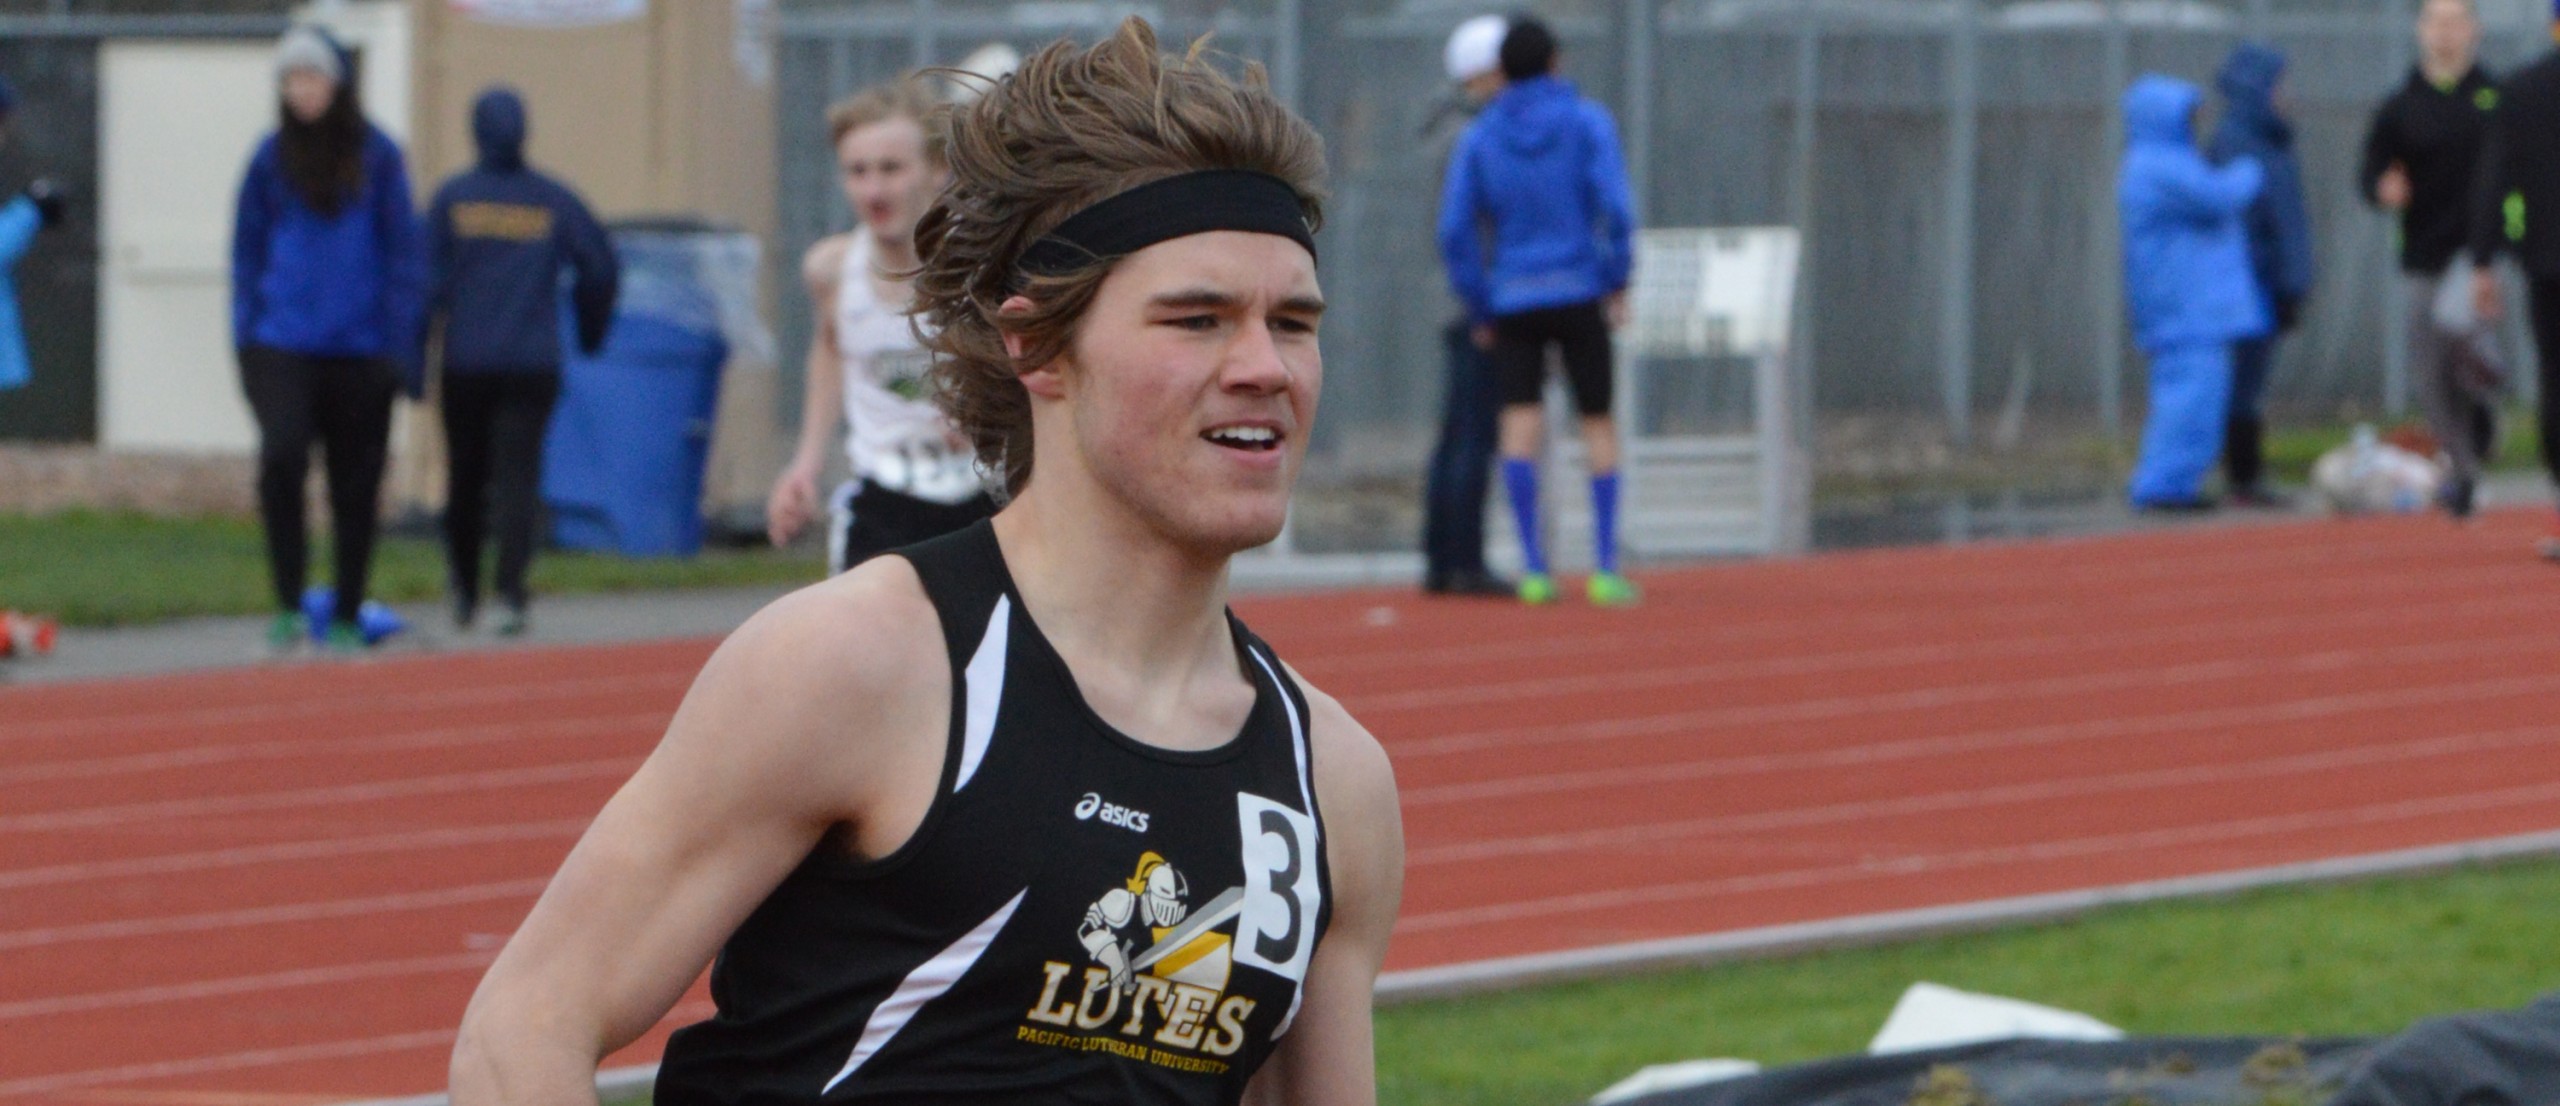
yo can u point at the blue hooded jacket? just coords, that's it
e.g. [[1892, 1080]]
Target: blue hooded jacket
[[2279, 222], [342, 285], [2186, 254], [498, 237], [1540, 174]]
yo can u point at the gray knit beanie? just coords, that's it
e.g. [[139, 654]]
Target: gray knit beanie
[[308, 48]]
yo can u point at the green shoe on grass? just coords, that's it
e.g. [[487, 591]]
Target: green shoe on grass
[[1537, 589], [1608, 589]]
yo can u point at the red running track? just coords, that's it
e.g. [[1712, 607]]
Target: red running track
[[278, 887]]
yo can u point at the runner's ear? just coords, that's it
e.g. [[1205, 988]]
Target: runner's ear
[[1016, 306]]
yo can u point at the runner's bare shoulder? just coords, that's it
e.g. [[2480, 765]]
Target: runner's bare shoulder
[[823, 264], [835, 693]]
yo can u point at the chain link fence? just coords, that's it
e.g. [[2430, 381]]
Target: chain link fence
[[1952, 163]]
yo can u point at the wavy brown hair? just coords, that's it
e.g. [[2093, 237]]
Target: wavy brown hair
[[907, 96], [1069, 128], [324, 159]]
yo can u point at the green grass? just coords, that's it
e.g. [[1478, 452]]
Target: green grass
[[2364, 958], [95, 569]]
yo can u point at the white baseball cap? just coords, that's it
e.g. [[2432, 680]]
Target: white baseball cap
[[1475, 48]]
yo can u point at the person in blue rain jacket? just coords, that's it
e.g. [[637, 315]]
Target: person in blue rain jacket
[[326, 293], [38, 208], [1537, 229], [2189, 289], [2254, 127]]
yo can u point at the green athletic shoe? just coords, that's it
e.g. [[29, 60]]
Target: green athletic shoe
[[344, 639], [284, 632], [1537, 589], [1608, 589]]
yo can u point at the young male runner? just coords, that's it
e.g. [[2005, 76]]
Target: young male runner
[[1021, 814], [913, 477]]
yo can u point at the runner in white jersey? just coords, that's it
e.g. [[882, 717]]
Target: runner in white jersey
[[913, 478]]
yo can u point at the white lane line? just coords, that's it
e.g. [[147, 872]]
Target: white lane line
[[233, 1061], [274, 915], [1952, 801], [287, 851], [336, 745], [2308, 708], [56, 1005], [1922, 864], [483, 694], [1816, 602], [2427, 596], [93, 817], [1626, 679]]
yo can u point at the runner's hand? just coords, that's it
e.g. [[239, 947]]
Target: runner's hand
[[793, 503], [1616, 307], [2392, 191], [2485, 299]]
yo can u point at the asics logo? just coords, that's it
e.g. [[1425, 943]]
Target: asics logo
[[1092, 806]]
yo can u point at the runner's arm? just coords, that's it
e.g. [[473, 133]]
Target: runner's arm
[[795, 493], [757, 765], [1328, 1058]]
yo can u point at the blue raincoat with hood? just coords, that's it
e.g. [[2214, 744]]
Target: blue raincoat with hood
[[1538, 177], [2189, 288], [18, 225]]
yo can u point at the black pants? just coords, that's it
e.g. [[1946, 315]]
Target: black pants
[[879, 520], [2244, 430], [344, 404], [1579, 331], [1462, 463], [493, 427], [2546, 344]]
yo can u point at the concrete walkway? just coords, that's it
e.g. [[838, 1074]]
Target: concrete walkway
[[201, 644]]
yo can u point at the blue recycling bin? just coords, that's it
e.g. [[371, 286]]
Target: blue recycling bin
[[630, 440]]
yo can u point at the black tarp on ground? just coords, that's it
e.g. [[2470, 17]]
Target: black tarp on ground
[[2495, 1058], [2156, 1071]]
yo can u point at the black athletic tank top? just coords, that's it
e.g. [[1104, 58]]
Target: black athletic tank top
[[1080, 917]]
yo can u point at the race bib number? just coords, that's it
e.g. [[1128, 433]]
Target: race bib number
[[1276, 932], [930, 469]]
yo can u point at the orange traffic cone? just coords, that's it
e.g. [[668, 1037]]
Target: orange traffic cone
[[26, 635]]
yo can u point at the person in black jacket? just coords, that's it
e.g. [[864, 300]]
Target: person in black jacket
[[499, 237], [2516, 202], [2420, 157]]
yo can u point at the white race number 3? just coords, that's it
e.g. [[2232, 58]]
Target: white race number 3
[[1276, 932]]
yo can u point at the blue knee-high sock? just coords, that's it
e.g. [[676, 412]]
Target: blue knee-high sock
[[1604, 520], [1520, 478]]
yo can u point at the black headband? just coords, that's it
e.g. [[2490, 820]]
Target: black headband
[[1193, 203]]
